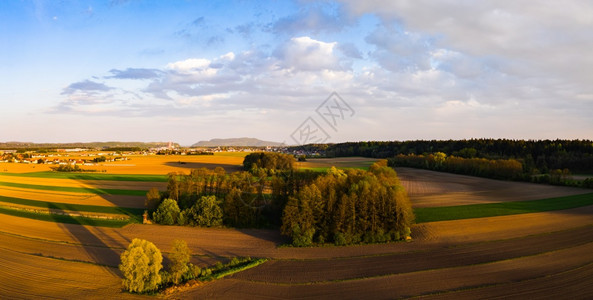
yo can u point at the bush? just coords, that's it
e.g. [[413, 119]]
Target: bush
[[179, 257], [167, 213], [141, 264], [340, 239]]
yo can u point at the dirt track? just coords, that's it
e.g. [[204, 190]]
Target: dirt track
[[523, 255]]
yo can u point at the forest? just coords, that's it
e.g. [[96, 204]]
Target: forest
[[543, 155], [338, 206]]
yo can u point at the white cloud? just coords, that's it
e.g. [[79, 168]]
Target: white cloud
[[307, 54], [189, 65], [541, 39]]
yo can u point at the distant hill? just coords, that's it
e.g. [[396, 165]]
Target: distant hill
[[238, 142]]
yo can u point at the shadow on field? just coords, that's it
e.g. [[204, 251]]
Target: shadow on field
[[269, 235], [97, 250], [197, 165]]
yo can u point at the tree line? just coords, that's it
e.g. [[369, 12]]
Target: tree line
[[536, 156], [490, 168], [341, 207]]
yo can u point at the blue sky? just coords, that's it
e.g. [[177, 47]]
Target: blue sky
[[194, 70]]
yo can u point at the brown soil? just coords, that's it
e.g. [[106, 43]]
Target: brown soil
[[429, 188], [409, 284], [304, 271]]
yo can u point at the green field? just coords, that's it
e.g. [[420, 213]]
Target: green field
[[95, 191], [133, 212], [91, 176], [433, 214], [66, 219]]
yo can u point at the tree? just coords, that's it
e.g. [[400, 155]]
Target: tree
[[153, 199], [173, 186], [179, 256], [140, 265], [205, 212], [167, 213]]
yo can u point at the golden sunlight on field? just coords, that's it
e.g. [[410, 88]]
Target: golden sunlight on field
[[515, 253]]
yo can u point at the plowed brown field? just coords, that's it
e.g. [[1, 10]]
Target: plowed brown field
[[429, 188], [523, 256]]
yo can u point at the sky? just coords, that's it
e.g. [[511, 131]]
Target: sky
[[295, 71]]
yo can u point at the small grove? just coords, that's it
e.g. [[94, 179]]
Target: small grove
[[339, 206], [143, 271]]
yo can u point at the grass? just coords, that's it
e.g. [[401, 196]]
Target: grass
[[91, 176], [230, 270], [64, 219], [325, 169], [95, 191], [132, 212], [434, 214]]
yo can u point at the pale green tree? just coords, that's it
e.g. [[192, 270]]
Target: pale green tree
[[179, 257], [140, 265]]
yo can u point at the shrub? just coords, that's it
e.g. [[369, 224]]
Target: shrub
[[167, 213], [340, 239], [141, 264]]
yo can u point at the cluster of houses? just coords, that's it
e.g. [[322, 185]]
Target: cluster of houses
[[58, 159]]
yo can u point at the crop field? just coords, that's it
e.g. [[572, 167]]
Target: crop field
[[62, 235], [322, 164]]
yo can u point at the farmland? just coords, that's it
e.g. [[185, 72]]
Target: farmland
[[535, 253]]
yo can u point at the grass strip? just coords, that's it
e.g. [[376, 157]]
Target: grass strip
[[64, 219], [134, 212], [239, 268], [95, 191], [445, 213], [91, 176]]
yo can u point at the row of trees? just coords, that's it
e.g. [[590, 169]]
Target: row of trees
[[241, 199], [269, 161], [347, 207], [205, 212], [491, 168], [537, 156]]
